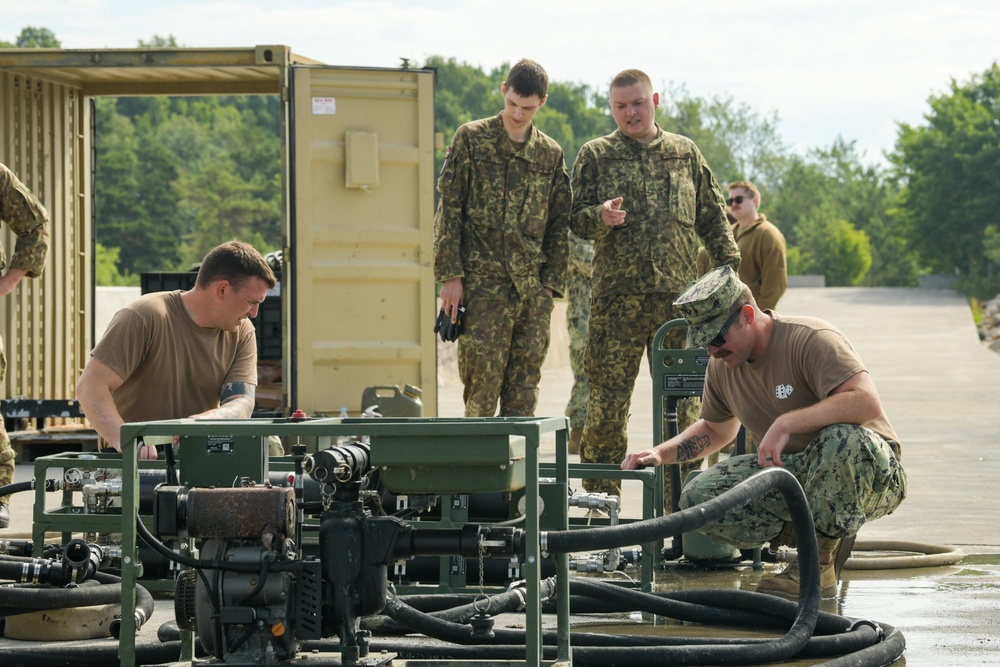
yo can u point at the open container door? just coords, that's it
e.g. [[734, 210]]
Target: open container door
[[362, 205]]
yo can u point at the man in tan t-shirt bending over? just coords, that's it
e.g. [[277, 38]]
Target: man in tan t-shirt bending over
[[172, 355], [803, 392]]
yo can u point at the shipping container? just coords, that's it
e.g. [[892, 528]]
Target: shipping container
[[357, 297]]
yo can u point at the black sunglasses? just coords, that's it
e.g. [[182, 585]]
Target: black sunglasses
[[738, 199], [720, 338]]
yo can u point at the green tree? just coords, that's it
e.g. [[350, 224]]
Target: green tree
[[583, 111], [950, 168], [573, 114], [738, 143], [106, 269], [37, 38], [117, 212], [834, 248], [866, 196], [159, 42]]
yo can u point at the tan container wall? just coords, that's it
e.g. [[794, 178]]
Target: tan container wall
[[363, 235], [45, 139]]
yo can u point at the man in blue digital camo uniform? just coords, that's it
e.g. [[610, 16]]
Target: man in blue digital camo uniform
[[645, 197], [500, 246], [29, 221], [806, 397]]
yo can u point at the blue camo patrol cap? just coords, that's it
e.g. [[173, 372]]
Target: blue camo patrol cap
[[705, 304]]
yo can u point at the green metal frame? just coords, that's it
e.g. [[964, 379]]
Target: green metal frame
[[676, 374], [325, 431], [650, 494], [68, 517]]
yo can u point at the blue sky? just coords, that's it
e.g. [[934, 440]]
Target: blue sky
[[854, 69]]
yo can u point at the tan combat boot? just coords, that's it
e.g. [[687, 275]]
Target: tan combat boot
[[833, 553], [575, 435]]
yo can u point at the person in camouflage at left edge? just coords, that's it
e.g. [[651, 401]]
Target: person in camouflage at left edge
[[500, 246], [645, 197], [28, 220], [578, 273]]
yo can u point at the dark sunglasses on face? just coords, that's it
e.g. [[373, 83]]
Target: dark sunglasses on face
[[720, 338], [738, 199]]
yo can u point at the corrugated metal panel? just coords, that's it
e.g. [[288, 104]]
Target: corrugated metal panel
[[45, 141], [360, 299], [119, 72], [362, 266]]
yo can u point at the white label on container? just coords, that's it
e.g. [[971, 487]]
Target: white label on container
[[324, 106]]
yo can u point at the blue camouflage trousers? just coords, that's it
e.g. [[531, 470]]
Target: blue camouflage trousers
[[849, 473]]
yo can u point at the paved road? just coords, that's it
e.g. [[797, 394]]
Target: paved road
[[939, 385]]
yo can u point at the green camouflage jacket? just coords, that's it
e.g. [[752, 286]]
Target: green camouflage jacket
[[28, 219], [504, 213], [671, 199]]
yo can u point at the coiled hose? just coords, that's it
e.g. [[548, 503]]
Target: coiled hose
[[102, 589], [854, 638]]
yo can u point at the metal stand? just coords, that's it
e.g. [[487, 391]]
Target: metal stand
[[325, 431], [676, 374]]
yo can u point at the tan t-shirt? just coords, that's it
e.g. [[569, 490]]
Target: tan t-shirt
[[805, 360], [172, 368]]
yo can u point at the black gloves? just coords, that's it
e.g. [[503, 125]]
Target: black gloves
[[449, 332]]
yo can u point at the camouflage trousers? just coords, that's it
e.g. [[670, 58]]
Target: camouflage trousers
[[577, 321], [6, 451], [501, 351], [622, 327], [849, 473]]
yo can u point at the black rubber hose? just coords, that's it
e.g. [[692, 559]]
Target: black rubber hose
[[826, 623], [603, 649], [16, 487], [466, 609], [143, 609], [885, 652], [26, 599], [102, 589], [650, 530], [79, 562], [50, 655], [463, 634], [676, 609]]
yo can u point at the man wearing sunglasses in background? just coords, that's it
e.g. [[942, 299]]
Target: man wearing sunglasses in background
[[762, 247], [803, 392]]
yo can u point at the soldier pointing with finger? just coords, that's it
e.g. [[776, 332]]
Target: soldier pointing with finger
[[645, 197]]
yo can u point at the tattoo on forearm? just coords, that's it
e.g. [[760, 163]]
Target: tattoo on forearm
[[236, 401], [692, 448]]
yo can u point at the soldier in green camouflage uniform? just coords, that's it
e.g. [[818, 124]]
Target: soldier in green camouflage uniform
[[500, 246], [28, 220], [580, 268], [645, 197], [821, 421]]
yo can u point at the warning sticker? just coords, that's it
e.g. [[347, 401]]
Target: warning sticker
[[324, 106]]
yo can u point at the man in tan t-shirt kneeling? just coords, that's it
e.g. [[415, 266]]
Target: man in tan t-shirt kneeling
[[806, 397], [180, 354]]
